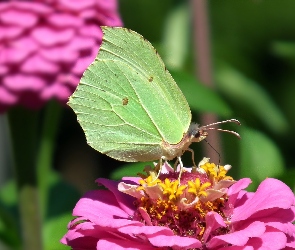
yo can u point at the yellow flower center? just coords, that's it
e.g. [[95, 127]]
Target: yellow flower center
[[182, 205]]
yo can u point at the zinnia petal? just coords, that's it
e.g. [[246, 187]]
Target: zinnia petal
[[278, 195], [49, 40], [142, 214]]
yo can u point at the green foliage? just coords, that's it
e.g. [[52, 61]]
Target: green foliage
[[200, 97], [9, 231], [61, 201], [249, 96], [260, 157]]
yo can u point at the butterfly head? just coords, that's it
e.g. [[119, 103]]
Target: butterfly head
[[198, 133]]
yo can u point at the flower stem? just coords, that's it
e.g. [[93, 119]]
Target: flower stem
[[44, 161], [23, 128], [203, 67]]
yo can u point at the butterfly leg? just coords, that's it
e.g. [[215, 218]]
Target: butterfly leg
[[175, 164], [193, 156], [159, 166], [180, 169]]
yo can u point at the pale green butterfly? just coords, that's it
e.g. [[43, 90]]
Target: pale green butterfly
[[129, 106]]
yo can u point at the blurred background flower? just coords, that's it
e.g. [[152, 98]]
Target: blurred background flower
[[46, 46]]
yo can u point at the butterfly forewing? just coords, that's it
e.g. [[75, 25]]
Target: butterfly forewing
[[127, 102]]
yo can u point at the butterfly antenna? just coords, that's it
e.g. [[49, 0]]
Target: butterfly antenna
[[209, 127], [219, 157], [226, 121], [225, 130]]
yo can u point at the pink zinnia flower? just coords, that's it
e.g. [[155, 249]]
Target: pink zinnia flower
[[45, 46], [203, 209]]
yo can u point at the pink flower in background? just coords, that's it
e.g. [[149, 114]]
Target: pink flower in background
[[205, 210], [45, 46]]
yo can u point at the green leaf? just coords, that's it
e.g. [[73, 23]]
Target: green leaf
[[200, 97], [62, 196], [247, 93], [284, 49], [61, 201], [260, 157], [9, 230], [8, 193], [288, 178], [176, 36], [54, 230]]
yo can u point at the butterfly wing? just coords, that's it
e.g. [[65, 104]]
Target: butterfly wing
[[127, 102]]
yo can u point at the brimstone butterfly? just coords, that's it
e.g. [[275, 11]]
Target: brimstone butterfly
[[128, 104]]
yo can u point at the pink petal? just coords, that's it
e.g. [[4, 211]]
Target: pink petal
[[133, 180], [213, 222], [82, 43], [111, 19], [3, 69], [89, 13], [124, 201], [69, 80], [82, 236], [79, 4], [25, 43], [56, 91], [270, 193], [269, 240], [175, 242], [29, 6], [37, 64], [49, 37], [274, 216], [130, 190], [122, 244], [238, 186], [82, 63], [64, 20], [12, 55], [166, 168], [91, 30], [238, 238], [59, 54], [18, 50], [291, 243], [104, 209], [7, 97], [150, 231], [10, 32], [88, 229], [18, 18], [21, 82], [161, 236], [238, 248], [145, 216], [107, 5]]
